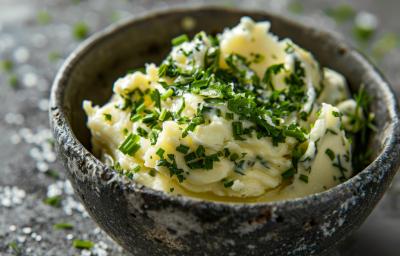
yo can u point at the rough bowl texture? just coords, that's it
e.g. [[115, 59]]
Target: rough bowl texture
[[148, 222]]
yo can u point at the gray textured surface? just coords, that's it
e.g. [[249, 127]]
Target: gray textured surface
[[24, 141]]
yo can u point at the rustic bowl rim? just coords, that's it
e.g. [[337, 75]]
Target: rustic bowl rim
[[60, 122]]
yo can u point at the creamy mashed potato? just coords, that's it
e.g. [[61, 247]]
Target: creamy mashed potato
[[239, 117]]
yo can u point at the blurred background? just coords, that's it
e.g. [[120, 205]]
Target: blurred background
[[39, 214]]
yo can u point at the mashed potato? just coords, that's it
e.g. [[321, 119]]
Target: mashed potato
[[239, 117]]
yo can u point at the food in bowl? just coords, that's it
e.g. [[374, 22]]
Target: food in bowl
[[240, 117]]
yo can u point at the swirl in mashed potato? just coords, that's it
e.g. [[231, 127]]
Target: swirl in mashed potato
[[240, 117]]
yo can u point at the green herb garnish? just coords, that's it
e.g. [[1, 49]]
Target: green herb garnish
[[54, 201], [63, 225], [80, 30], [182, 148], [82, 244], [130, 146], [179, 40], [330, 154]]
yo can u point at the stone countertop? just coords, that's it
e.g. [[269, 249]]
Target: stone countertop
[[37, 35]]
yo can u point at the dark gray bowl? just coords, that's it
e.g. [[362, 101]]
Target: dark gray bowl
[[148, 222]]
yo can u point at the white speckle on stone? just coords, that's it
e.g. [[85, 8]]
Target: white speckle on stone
[[100, 249], [12, 228], [70, 236], [42, 166], [55, 189], [27, 230], [85, 252], [15, 139], [251, 246], [327, 230], [70, 205], [43, 104], [30, 79], [366, 20], [21, 55], [38, 238], [14, 118], [35, 154], [341, 221], [11, 196], [21, 239]]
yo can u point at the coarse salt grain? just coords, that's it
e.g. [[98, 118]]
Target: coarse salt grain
[[30, 79], [21, 55], [27, 230], [14, 118], [10, 196]]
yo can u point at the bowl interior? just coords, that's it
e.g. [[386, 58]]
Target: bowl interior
[[122, 48]]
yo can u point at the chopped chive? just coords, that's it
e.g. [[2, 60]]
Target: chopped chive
[[167, 94], [303, 178], [330, 154], [229, 116], [160, 152], [156, 98], [182, 107], [337, 114], [179, 40], [80, 30], [54, 201], [233, 157], [165, 114], [63, 225], [190, 127], [152, 172], [140, 108], [16, 249], [136, 169], [288, 173], [200, 151], [328, 130], [82, 244], [142, 132], [237, 129], [190, 157], [198, 164], [130, 146], [162, 70], [13, 80], [135, 118], [53, 174], [6, 65], [107, 117], [226, 152], [149, 118], [228, 183], [182, 148], [153, 137], [208, 163]]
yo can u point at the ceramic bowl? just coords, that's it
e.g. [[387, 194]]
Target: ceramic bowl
[[149, 222]]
